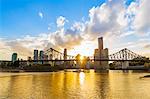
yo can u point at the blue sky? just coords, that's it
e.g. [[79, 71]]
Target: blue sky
[[20, 17], [75, 24]]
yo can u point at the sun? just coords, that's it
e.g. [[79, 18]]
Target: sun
[[81, 58], [85, 48]]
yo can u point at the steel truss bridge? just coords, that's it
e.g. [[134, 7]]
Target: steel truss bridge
[[122, 55]]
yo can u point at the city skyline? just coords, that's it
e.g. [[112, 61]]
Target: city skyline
[[28, 25]]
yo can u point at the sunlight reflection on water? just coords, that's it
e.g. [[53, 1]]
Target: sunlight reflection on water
[[82, 77], [74, 85]]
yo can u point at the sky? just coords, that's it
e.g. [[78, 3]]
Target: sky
[[26, 25]]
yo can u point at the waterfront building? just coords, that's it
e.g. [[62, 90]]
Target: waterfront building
[[29, 62], [36, 56], [41, 57], [29, 58], [101, 53], [14, 57]]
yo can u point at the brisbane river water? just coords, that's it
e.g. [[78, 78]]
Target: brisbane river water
[[75, 85]]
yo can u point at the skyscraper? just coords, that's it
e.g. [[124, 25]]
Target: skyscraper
[[41, 56], [35, 55], [14, 57]]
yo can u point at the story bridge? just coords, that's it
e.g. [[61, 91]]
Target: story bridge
[[55, 55], [122, 55]]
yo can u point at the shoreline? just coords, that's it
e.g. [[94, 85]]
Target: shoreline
[[55, 70]]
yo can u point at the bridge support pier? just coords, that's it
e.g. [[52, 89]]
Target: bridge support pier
[[125, 64], [101, 66]]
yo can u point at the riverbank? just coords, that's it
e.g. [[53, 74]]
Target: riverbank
[[48, 68], [30, 69], [10, 70], [33, 69]]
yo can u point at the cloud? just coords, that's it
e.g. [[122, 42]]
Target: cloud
[[139, 11], [24, 46], [147, 46], [113, 20], [40, 15], [142, 22], [65, 39], [19, 48], [5, 51], [107, 19], [61, 21]]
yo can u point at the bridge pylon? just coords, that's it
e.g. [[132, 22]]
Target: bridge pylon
[[99, 54]]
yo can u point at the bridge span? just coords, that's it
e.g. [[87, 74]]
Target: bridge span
[[124, 56]]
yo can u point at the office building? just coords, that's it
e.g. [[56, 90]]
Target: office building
[[36, 56], [14, 57], [41, 56]]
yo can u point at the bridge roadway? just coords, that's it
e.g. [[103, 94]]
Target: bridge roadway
[[74, 60]]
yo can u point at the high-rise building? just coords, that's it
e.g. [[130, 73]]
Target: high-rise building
[[14, 57], [36, 56], [41, 56]]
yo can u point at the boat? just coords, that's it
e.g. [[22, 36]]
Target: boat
[[146, 76]]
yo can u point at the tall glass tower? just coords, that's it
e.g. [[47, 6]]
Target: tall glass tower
[[14, 57], [36, 56]]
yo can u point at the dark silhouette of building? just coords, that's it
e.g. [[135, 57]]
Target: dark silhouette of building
[[36, 56], [14, 57]]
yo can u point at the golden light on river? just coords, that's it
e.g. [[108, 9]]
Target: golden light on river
[[81, 78]]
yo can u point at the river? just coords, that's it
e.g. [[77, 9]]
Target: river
[[74, 85]]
